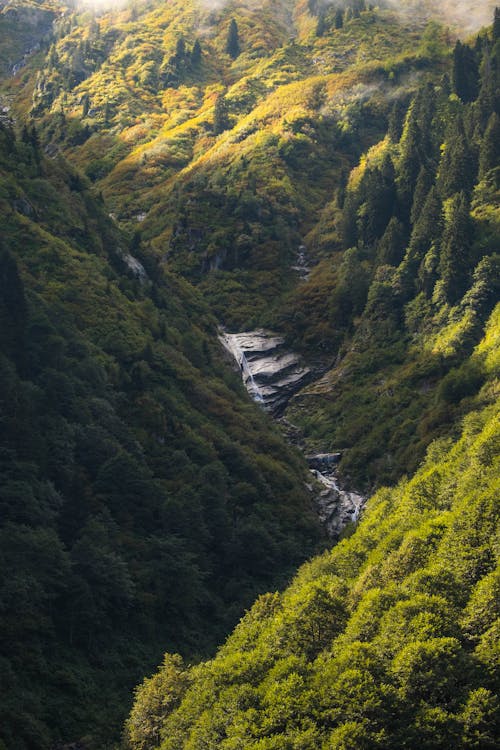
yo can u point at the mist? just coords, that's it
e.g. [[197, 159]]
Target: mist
[[465, 15]]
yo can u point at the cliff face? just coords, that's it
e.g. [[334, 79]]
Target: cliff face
[[24, 26]]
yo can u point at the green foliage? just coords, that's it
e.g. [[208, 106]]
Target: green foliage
[[382, 656], [143, 496], [233, 41], [145, 501]]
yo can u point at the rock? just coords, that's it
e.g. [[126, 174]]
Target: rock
[[323, 461], [336, 506], [270, 373]]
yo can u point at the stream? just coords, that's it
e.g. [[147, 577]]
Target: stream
[[272, 375]]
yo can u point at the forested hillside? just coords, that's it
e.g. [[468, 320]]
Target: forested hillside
[[144, 500], [327, 170], [388, 641], [231, 138]]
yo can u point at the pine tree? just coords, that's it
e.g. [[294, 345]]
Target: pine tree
[[496, 25], [458, 167], [426, 231], [465, 74], [196, 54], [379, 191], [85, 105], [455, 260], [339, 19], [233, 41], [180, 49], [321, 25], [489, 155], [391, 247], [13, 312], [425, 181], [416, 145]]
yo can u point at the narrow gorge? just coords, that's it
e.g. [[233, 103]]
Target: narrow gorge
[[272, 375]]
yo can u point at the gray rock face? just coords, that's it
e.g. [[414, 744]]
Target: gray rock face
[[270, 373], [336, 506]]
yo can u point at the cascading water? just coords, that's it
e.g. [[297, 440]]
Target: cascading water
[[231, 344]]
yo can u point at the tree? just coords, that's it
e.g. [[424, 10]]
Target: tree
[[426, 231], [85, 105], [13, 311], [339, 19], [233, 42], [321, 25], [180, 49], [391, 246], [155, 699], [458, 167], [417, 147], [489, 154], [465, 73], [454, 261], [196, 54], [496, 25], [379, 192]]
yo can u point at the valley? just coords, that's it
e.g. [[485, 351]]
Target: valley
[[249, 356]]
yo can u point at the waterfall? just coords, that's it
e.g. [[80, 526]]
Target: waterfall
[[249, 380], [237, 352]]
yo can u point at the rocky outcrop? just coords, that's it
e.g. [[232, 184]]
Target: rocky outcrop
[[270, 373], [336, 506]]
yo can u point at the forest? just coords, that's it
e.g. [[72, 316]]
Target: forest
[[162, 167]]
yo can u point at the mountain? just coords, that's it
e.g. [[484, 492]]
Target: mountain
[[144, 500], [389, 640], [328, 171]]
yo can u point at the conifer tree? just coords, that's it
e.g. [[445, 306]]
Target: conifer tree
[[489, 155], [454, 260], [427, 230], [85, 105], [379, 190], [465, 74], [496, 25], [458, 167], [391, 246], [196, 53], [12, 305], [416, 145], [339, 19], [425, 181], [321, 25], [233, 41]]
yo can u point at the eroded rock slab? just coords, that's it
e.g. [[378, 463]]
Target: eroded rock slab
[[336, 506], [270, 373]]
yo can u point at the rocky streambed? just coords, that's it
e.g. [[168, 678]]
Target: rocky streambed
[[272, 375]]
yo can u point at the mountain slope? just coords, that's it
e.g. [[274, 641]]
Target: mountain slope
[[145, 500], [390, 640]]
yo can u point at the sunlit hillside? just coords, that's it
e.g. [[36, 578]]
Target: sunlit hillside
[[326, 171]]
